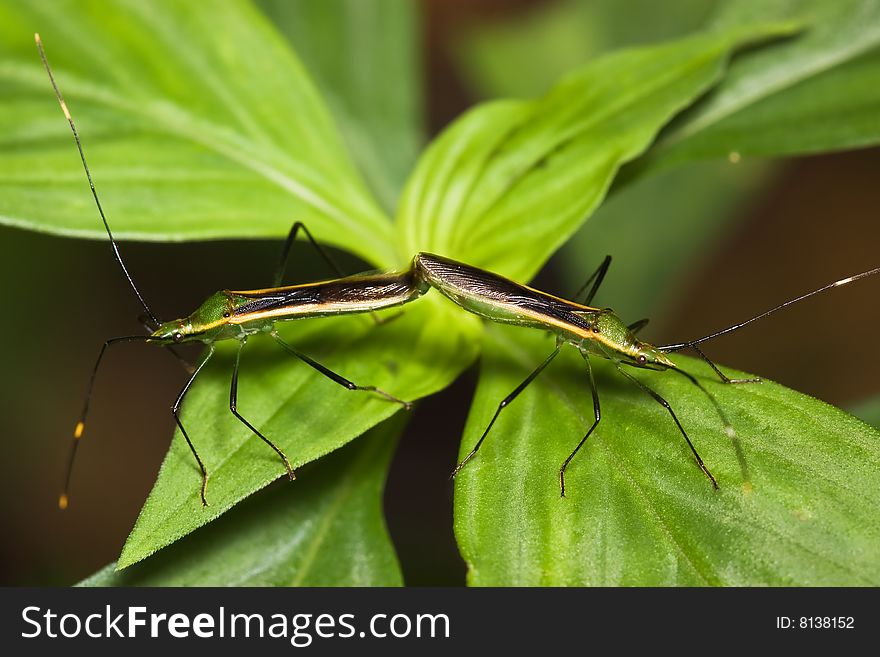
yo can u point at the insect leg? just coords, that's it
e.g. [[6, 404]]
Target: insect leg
[[598, 276], [175, 411], [285, 253], [598, 415], [333, 376], [233, 404], [721, 374], [635, 327], [666, 405], [504, 403], [728, 428]]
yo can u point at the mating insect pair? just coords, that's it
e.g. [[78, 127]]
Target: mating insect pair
[[236, 315]]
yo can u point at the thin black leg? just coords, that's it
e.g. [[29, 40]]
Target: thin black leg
[[80, 427], [175, 411], [635, 327], [665, 404], [233, 406], [598, 415], [338, 378], [504, 403], [596, 279], [285, 253], [728, 427], [721, 374]]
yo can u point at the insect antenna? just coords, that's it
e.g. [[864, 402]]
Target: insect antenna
[[91, 183], [843, 281], [63, 499]]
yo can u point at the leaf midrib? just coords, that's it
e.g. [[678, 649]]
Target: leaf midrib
[[333, 510]]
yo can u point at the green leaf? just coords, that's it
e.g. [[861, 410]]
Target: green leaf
[[799, 485], [325, 530], [303, 412], [198, 121], [518, 177], [817, 92], [365, 57], [838, 109]]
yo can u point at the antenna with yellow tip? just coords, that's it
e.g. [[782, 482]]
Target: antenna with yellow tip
[[80, 427], [63, 499]]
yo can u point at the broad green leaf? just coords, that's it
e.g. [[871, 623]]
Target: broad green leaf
[[364, 55], [795, 97], [325, 530], [198, 121], [510, 181], [303, 412], [799, 485], [446, 176], [837, 109]]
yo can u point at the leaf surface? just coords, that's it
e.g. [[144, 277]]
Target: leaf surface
[[365, 57], [814, 93], [186, 136], [510, 181], [799, 485], [326, 530], [306, 414]]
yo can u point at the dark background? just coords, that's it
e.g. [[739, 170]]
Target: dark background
[[811, 220]]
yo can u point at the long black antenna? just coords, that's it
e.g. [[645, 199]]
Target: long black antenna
[[63, 499], [729, 329], [89, 176]]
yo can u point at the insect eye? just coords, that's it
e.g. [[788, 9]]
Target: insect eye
[[178, 336], [642, 359]]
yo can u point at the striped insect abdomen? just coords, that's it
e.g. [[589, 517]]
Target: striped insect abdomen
[[501, 300]]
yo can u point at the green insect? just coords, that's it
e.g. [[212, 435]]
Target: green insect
[[236, 315]]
